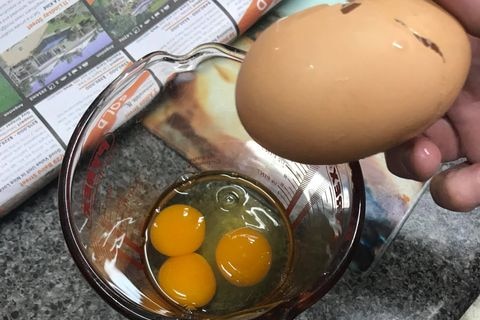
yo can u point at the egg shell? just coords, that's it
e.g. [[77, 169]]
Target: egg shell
[[333, 84]]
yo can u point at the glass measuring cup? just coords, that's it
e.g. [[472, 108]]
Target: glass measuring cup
[[165, 119]]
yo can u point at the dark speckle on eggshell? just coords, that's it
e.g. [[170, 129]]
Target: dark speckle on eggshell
[[425, 41], [349, 7]]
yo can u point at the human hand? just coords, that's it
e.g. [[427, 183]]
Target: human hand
[[455, 136]]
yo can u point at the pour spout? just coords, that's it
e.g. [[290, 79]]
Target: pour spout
[[166, 66]]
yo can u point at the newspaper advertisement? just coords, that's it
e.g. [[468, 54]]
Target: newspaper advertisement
[[56, 56]]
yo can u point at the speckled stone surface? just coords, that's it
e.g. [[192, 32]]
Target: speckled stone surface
[[431, 271]]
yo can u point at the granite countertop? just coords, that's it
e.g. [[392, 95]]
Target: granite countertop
[[431, 271]]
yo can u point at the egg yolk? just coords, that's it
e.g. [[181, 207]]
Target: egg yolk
[[188, 280], [178, 229], [243, 256]]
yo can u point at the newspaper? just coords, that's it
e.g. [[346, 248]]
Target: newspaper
[[56, 56]]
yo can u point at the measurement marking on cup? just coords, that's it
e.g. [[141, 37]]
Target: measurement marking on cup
[[117, 233], [290, 190], [306, 209], [299, 191], [108, 222], [116, 251], [294, 174], [283, 191], [293, 185], [305, 169]]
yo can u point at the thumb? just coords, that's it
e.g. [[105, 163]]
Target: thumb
[[466, 11]]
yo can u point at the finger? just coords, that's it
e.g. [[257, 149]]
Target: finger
[[472, 86], [458, 188], [444, 136], [466, 11], [465, 117], [417, 159]]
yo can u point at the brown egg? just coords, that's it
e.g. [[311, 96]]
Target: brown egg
[[338, 83]]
